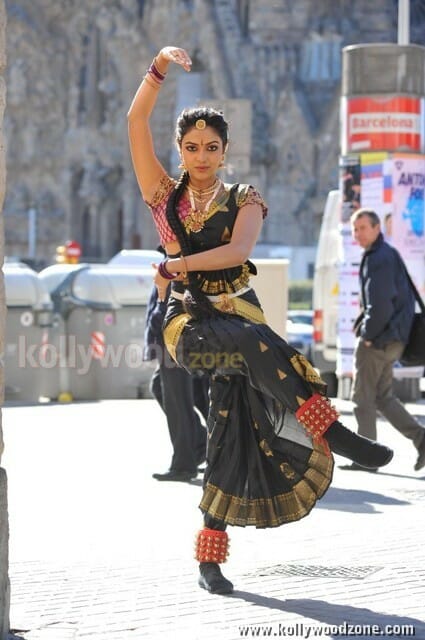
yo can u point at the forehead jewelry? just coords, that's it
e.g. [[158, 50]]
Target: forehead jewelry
[[200, 124]]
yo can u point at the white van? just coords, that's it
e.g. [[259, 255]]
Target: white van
[[325, 293]]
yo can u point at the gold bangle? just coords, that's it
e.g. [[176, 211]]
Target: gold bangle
[[184, 272], [151, 84]]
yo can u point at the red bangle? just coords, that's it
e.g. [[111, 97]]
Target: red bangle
[[153, 69], [162, 270]]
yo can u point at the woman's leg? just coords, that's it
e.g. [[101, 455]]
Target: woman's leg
[[278, 371], [211, 549]]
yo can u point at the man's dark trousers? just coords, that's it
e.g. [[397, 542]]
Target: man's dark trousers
[[172, 387], [373, 390]]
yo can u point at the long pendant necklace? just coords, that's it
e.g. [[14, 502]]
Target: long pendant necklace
[[197, 217]]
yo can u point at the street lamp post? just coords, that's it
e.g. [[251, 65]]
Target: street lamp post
[[403, 22], [32, 232]]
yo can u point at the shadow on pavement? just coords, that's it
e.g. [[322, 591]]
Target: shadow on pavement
[[336, 614], [356, 500], [399, 475]]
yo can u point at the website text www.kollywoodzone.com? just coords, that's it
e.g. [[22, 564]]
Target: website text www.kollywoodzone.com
[[303, 631]]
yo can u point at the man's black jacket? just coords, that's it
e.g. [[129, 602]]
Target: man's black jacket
[[386, 297]]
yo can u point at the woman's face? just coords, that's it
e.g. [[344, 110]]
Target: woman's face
[[202, 153]]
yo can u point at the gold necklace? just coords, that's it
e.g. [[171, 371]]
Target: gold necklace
[[201, 194], [196, 219]]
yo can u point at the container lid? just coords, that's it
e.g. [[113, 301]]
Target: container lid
[[113, 286], [136, 258], [54, 275], [25, 289]]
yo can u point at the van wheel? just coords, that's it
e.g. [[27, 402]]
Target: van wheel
[[329, 377]]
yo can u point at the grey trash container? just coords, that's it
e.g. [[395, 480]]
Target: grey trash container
[[29, 361], [103, 313], [53, 279]]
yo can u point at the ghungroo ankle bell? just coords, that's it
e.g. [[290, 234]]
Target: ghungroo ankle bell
[[317, 414], [211, 545]]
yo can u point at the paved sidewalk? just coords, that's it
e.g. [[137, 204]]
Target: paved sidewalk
[[99, 550]]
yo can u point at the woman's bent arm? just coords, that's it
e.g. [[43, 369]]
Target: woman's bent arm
[[245, 234], [146, 165]]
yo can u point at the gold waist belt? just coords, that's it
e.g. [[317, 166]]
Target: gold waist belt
[[219, 298]]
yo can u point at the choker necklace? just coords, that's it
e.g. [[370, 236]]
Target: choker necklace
[[201, 194], [196, 219]]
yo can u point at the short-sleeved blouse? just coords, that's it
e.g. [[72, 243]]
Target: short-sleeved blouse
[[245, 194]]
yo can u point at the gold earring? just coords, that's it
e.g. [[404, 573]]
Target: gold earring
[[181, 166], [222, 165]]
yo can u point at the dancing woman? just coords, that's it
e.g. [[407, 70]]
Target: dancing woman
[[271, 428]]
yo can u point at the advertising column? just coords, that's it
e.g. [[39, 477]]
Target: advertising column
[[382, 165]]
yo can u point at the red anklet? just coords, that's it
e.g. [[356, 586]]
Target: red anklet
[[211, 545]]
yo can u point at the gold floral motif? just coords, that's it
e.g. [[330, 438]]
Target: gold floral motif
[[287, 470], [226, 303], [165, 186], [264, 445]]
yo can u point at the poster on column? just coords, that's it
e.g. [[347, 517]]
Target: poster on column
[[376, 183], [348, 268], [409, 213]]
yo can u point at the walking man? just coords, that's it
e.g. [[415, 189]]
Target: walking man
[[382, 330]]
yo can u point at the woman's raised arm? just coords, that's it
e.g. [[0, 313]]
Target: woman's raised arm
[[146, 165]]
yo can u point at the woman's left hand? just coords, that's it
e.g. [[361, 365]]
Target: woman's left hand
[[162, 284], [177, 55]]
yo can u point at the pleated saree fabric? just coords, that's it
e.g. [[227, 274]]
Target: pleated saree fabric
[[263, 469]]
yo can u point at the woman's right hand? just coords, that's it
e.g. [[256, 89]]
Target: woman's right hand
[[176, 55]]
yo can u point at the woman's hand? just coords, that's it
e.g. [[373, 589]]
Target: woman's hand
[[162, 284], [176, 55]]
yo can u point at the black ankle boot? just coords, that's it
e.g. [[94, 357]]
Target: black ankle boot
[[367, 453], [213, 580]]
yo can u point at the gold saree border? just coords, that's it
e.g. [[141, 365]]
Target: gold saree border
[[277, 510]]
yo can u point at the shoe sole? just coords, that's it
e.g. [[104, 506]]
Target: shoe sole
[[223, 591], [162, 479], [383, 464], [388, 460]]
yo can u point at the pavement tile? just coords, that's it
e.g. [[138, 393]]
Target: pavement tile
[[99, 550]]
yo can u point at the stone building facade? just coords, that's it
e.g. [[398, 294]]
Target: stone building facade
[[75, 65], [4, 517]]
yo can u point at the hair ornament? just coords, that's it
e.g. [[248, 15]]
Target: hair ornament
[[200, 124]]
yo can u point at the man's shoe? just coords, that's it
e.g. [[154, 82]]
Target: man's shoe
[[357, 467], [175, 476], [212, 579], [200, 457], [420, 462]]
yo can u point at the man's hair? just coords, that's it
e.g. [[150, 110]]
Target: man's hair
[[366, 213]]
